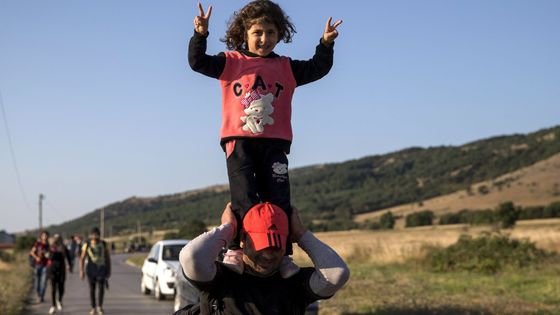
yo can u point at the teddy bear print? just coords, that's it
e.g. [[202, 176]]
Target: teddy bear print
[[258, 114]]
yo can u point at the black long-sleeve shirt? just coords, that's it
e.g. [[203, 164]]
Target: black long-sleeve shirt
[[305, 71]]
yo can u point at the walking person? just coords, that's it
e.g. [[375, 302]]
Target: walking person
[[58, 262], [95, 262], [72, 249], [260, 289], [39, 253]]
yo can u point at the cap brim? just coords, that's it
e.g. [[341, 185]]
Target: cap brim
[[265, 240]]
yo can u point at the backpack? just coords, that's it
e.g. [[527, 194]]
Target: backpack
[[103, 248]]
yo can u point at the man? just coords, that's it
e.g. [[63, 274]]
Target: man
[[98, 269], [260, 289], [39, 252]]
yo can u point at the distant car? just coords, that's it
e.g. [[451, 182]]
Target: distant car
[[160, 268]]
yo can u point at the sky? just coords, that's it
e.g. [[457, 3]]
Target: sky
[[99, 104]]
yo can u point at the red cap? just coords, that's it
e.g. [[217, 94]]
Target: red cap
[[267, 226]]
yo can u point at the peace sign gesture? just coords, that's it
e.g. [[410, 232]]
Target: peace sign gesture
[[330, 32], [201, 20]]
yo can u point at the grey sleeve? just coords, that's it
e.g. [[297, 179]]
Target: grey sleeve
[[331, 272], [198, 256]]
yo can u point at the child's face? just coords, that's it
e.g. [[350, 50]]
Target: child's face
[[262, 38]]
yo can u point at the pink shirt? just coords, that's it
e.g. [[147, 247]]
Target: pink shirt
[[256, 97]]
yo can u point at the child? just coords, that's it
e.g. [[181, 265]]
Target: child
[[257, 88]]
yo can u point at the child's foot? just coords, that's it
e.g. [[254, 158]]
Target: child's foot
[[100, 310], [59, 305], [288, 268], [92, 311], [233, 259], [52, 310]]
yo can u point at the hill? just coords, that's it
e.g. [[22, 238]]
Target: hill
[[330, 195], [535, 185]]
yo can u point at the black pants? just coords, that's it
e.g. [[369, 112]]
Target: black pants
[[96, 279], [258, 172], [57, 285]]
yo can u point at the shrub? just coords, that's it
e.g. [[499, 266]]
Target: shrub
[[191, 229], [6, 256], [507, 214], [387, 220], [24, 242], [489, 254], [552, 210], [530, 213], [421, 218], [450, 218]]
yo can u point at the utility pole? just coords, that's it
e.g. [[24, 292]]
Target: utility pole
[[102, 222], [139, 227], [41, 198]]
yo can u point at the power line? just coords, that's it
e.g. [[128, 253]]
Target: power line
[[13, 155]]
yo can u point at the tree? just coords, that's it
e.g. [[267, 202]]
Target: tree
[[507, 214], [24, 242], [387, 220], [191, 229], [420, 218]]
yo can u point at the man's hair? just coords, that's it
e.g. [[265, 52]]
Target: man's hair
[[95, 230], [258, 11]]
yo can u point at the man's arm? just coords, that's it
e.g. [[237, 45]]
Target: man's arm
[[198, 256], [331, 272], [108, 261], [33, 252], [82, 261]]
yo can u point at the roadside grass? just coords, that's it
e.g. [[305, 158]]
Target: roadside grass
[[412, 288], [15, 283], [137, 259]]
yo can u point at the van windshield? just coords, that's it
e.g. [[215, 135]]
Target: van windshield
[[171, 252]]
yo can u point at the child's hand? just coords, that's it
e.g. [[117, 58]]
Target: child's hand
[[296, 226], [229, 217], [330, 32], [201, 20]]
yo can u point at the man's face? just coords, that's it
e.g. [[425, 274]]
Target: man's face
[[263, 262], [94, 236]]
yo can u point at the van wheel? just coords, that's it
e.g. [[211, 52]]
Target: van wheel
[[143, 288], [157, 291]]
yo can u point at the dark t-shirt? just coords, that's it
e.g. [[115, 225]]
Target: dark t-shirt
[[235, 294]]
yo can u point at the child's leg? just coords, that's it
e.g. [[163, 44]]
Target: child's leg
[[274, 182], [242, 182]]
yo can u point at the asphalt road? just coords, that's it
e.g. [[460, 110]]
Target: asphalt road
[[122, 298]]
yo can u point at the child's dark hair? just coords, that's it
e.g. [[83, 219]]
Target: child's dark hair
[[258, 11]]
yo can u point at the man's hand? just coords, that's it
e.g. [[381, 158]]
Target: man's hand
[[330, 32], [297, 229], [201, 20], [229, 217]]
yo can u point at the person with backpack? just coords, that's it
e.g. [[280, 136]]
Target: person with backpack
[[260, 289], [39, 255], [59, 261], [95, 262]]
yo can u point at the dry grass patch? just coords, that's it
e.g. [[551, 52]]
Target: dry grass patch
[[15, 283]]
